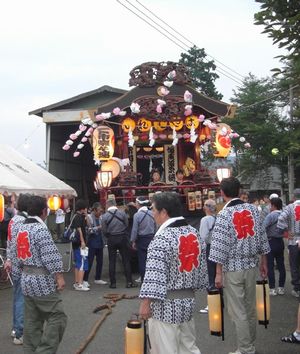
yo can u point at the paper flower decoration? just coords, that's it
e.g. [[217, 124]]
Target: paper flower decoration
[[193, 136], [158, 108], [73, 136], [84, 139], [247, 146], [87, 121], [78, 132], [69, 142], [161, 102], [168, 83], [135, 108], [201, 117], [242, 139], [80, 146], [188, 97], [82, 127], [76, 153], [116, 111], [66, 147], [122, 113], [95, 125], [171, 75], [188, 110]]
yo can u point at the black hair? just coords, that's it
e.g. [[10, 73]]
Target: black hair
[[277, 203], [96, 205], [36, 205], [80, 205], [23, 201], [169, 201], [230, 187], [180, 170]]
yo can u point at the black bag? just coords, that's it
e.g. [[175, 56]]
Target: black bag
[[71, 234]]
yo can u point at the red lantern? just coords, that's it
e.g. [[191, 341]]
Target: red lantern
[[54, 202], [2, 208], [65, 203]]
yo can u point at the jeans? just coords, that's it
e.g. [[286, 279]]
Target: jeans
[[277, 253], [294, 258], [98, 253], [18, 308]]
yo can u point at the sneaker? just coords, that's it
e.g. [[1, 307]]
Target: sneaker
[[13, 334], [80, 287], [295, 293], [101, 282], [204, 311], [236, 352], [18, 341], [138, 280], [86, 284], [280, 291], [273, 292]]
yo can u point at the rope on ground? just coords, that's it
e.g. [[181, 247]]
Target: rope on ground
[[112, 300]]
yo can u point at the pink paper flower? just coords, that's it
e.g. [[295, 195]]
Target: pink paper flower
[[247, 146], [90, 130], [66, 147], [171, 75], [188, 97], [116, 111], [76, 153], [158, 109], [82, 127], [73, 136], [201, 117], [84, 139]]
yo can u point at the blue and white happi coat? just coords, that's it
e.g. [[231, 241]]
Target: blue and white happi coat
[[35, 247], [289, 219], [238, 237], [175, 260]]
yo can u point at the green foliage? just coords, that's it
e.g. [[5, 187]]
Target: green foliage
[[202, 71], [261, 125]]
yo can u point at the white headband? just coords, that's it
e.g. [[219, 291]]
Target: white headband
[[142, 201]]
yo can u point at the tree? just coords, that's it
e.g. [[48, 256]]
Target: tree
[[202, 71], [281, 20], [261, 125]]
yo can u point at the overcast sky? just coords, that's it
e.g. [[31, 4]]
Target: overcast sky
[[54, 50]]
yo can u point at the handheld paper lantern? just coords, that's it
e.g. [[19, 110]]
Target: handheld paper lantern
[[223, 141], [2, 207], [103, 143], [189, 121], [215, 313], [263, 302], [134, 337], [144, 125], [128, 124], [54, 202]]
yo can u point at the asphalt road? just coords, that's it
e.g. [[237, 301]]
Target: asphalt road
[[110, 337]]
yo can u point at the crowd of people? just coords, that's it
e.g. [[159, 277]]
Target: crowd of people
[[231, 248]]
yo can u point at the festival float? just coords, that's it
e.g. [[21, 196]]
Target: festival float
[[162, 123]]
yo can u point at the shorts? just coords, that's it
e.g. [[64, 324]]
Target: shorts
[[81, 263]]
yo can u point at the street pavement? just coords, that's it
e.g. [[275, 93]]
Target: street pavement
[[109, 339]]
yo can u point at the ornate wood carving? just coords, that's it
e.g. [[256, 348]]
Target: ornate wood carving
[[152, 73]]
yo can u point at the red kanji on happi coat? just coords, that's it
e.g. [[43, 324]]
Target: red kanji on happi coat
[[297, 212], [23, 245], [188, 252], [9, 230], [243, 224]]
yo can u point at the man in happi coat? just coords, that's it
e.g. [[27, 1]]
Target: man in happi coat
[[42, 279], [175, 268], [239, 244]]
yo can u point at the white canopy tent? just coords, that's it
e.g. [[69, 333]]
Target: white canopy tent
[[20, 175]]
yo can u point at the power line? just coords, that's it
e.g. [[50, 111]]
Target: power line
[[29, 136], [173, 29], [221, 71], [267, 99]]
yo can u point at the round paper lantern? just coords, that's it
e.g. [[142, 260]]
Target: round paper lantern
[[222, 142], [160, 126], [65, 203], [177, 124], [127, 124], [113, 166], [190, 120], [54, 202], [144, 125], [2, 207], [103, 143]]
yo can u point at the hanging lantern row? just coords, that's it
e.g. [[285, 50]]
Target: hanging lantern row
[[192, 122]]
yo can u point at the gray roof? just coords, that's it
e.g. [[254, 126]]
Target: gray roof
[[60, 104]]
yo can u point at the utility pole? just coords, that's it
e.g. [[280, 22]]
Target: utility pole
[[291, 174]]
